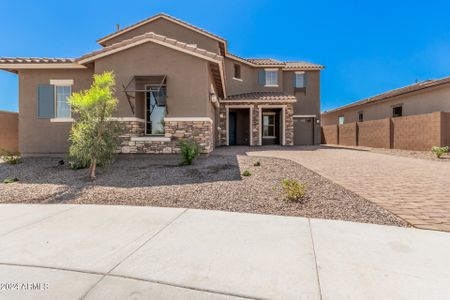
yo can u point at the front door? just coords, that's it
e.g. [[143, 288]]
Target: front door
[[271, 128], [232, 128]]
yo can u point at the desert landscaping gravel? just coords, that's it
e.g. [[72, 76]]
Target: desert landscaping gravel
[[213, 182]]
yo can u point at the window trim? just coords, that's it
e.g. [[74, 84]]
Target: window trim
[[393, 107], [58, 83], [339, 120], [295, 79], [234, 72], [265, 75]]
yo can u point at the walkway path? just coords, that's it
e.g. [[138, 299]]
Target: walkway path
[[120, 252], [417, 190]]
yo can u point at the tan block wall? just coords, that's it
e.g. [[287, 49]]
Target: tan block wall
[[418, 132], [446, 129], [9, 131], [330, 134], [376, 134], [348, 134]]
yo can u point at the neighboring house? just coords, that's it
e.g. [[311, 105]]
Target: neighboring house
[[9, 130], [174, 81], [419, 98]]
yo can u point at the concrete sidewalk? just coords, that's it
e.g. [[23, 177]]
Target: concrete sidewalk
[[117, 252]]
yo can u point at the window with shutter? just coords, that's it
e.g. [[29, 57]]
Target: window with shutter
[[261, 77], [46, 101]]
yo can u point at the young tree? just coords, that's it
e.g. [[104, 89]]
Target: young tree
[[95, 135]]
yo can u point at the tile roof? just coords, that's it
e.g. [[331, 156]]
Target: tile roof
[[397, 92], [160, 15], [262, 96], [265, 61], [270, 62], [302, 65], [34, 60], [149, 36]]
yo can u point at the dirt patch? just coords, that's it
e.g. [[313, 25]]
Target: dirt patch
[[213, 182]]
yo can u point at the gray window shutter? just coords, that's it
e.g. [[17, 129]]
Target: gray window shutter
[[305, 79], [46, 101], [261, 77], [294, 76]]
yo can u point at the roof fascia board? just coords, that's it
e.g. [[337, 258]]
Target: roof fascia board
[[143, 41], [139, 24], [42, 66]]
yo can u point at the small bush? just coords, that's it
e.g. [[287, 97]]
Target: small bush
[[75, 164], [246, 173], [10, 157], [257, 164], [439, 151], [189, 151], [10, 180], [293, 190]]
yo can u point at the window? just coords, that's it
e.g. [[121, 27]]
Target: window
[[155, 109], [237, 71], [360, 116], [299, 80], [341, 120], [271, 77], [269, 125], [62, 94], [397, 111]]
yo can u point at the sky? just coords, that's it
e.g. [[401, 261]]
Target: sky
[[368, 47]]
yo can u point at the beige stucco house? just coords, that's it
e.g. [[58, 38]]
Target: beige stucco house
[[174, 81], [419, 98]]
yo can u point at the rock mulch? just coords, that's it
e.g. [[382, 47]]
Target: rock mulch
[[213, 182]]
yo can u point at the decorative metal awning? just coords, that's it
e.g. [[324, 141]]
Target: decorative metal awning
[[138, 84]]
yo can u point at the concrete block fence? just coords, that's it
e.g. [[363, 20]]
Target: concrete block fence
[[416, 132]]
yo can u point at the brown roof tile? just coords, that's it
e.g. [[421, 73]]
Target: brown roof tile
[[34, 60], [264, 96], [302, 65], [397, 92], [156, 37], [265, 61]]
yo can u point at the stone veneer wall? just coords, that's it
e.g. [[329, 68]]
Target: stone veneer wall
[[199, 131], [289, 120]]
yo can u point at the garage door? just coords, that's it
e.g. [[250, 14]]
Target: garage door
[[303, 131]]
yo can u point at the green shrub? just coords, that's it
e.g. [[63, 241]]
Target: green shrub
[[257, 164], [294, 190], [439, 151], [10, 180], [246, 173], [10, 157], [75, 164], [189, 151]]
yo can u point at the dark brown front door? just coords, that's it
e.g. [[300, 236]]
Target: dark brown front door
[[303, 131]]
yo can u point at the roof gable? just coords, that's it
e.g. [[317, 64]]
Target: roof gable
[[104, 39], [155, 38]]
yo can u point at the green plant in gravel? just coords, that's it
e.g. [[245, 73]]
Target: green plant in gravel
[[10, 157], [10, 180], [293, 190], [189, 151], [257, 164], [439, 151], [246, 173], [95, 135]]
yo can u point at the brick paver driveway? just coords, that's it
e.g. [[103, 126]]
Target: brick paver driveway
[[416, 190]]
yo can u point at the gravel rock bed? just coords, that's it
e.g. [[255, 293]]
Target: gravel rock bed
[[213, 182]]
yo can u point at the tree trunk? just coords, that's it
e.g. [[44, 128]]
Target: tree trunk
[[93, 168]]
